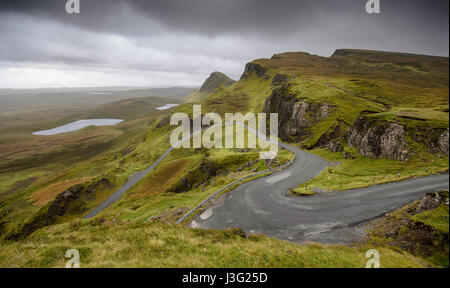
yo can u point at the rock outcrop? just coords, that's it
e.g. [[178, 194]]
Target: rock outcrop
[[431, 201], [335, 146], [253, 67], [194, 178], [294, 116], [435, 139], [280, 79], [374, 139], [443, 142], [404, 228]]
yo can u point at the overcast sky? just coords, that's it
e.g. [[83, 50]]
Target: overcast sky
[[162, 43]]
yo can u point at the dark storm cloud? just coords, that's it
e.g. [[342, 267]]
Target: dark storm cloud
[[195, 37], [224, 16], [210, 17]]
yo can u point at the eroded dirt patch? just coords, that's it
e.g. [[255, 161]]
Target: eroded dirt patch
[[45, 195]]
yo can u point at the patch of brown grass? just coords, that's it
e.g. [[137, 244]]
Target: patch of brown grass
[[45, 195], [163, 178]]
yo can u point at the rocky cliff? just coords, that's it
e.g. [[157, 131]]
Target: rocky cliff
[[294, 115], [443, 142], [375, 139], [253, 68], [435, 139]]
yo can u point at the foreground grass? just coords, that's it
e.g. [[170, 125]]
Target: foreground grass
[[118, 243], [438, 219]]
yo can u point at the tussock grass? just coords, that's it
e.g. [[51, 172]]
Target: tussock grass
[[117, 243]]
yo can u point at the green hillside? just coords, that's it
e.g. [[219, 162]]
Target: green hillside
[[325, 104], [379, 89], [214, 81]]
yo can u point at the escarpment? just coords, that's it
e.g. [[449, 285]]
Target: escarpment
[[389, 139], [443, 142], [374, 139], [294, 116], [252, 67], [435, 139], [373, 136]]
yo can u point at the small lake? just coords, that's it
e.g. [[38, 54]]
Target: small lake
[[99, 93], [167, 106], [77, 125]]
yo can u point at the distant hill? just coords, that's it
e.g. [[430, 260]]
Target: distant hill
[[171, 92], [13, 100], [214, 81]]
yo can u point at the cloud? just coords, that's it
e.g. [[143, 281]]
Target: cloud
[[152, 42]]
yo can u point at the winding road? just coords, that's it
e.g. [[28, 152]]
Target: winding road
[[263, 206], [133, 180]]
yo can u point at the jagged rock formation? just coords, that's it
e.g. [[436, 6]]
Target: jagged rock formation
[[375, 139], [335, 146], [294, 115], [253, 67], [443, 142], [435, 139], [280, 79], [432, 200]]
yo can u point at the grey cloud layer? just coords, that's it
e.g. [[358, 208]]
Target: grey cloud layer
[[198, 36]]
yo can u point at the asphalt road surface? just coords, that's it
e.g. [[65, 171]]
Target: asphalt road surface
[[133, 180], [263, 206]]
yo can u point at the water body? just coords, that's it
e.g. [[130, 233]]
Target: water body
[[77, 125], [167, 106], [99, 93]]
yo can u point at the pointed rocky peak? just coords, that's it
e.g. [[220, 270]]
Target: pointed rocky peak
[[214, 81]]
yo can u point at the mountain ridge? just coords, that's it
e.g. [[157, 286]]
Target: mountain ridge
[[214, 81]]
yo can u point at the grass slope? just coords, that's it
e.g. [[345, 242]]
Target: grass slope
[[116, 243], [410, 89]]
